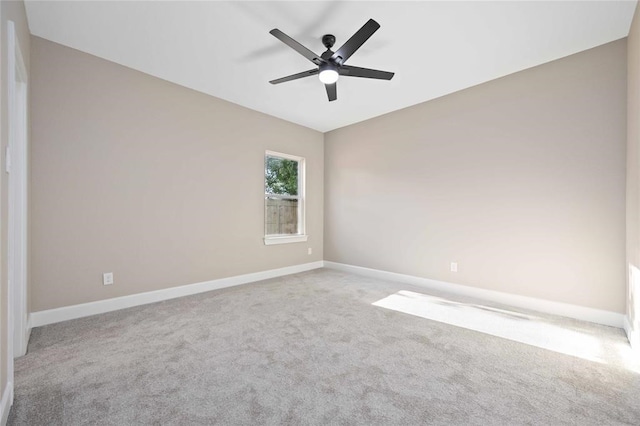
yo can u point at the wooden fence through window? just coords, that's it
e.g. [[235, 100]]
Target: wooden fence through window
[[281, 216]]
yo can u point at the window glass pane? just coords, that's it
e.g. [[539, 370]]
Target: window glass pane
[[281, 209], [281, 216], [281, 176]]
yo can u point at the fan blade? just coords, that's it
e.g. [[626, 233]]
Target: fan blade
[[332, 92], [296, 46], [355, 42], [295, 76], [349, 71]]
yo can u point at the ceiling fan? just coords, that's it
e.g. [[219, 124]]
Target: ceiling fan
[[330, 65]]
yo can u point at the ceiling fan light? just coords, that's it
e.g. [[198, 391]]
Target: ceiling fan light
[[328, 76]]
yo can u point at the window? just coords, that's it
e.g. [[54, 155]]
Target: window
[[283, 198]]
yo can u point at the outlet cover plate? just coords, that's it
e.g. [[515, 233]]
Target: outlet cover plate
[[107, 278]]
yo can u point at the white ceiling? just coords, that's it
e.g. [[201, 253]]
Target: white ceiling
[[225, 49]]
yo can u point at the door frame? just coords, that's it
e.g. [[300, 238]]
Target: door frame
[[16, 169]]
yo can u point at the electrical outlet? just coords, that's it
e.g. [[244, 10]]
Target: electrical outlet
[[107, 278], [309, 250], [454, 267]]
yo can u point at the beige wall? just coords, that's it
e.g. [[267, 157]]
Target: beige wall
[[633, 179], [161, 185], [521, 181], [9, 11]]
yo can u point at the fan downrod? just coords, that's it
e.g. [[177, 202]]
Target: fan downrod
[[328, 40]]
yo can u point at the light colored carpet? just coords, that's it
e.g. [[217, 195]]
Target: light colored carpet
[[310, 348], [546, 332]]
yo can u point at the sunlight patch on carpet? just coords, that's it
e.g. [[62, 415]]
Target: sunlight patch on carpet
[[518, 327]]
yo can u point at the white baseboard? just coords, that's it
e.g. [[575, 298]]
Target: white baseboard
[[25, 340], [92, 308], [626, 325], [27, 336], [597, 316], [5, 405], [633, 337]]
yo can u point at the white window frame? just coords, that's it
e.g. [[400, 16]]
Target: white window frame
[[301, 236]]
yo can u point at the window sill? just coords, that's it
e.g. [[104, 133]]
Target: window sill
[[286, 239]]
